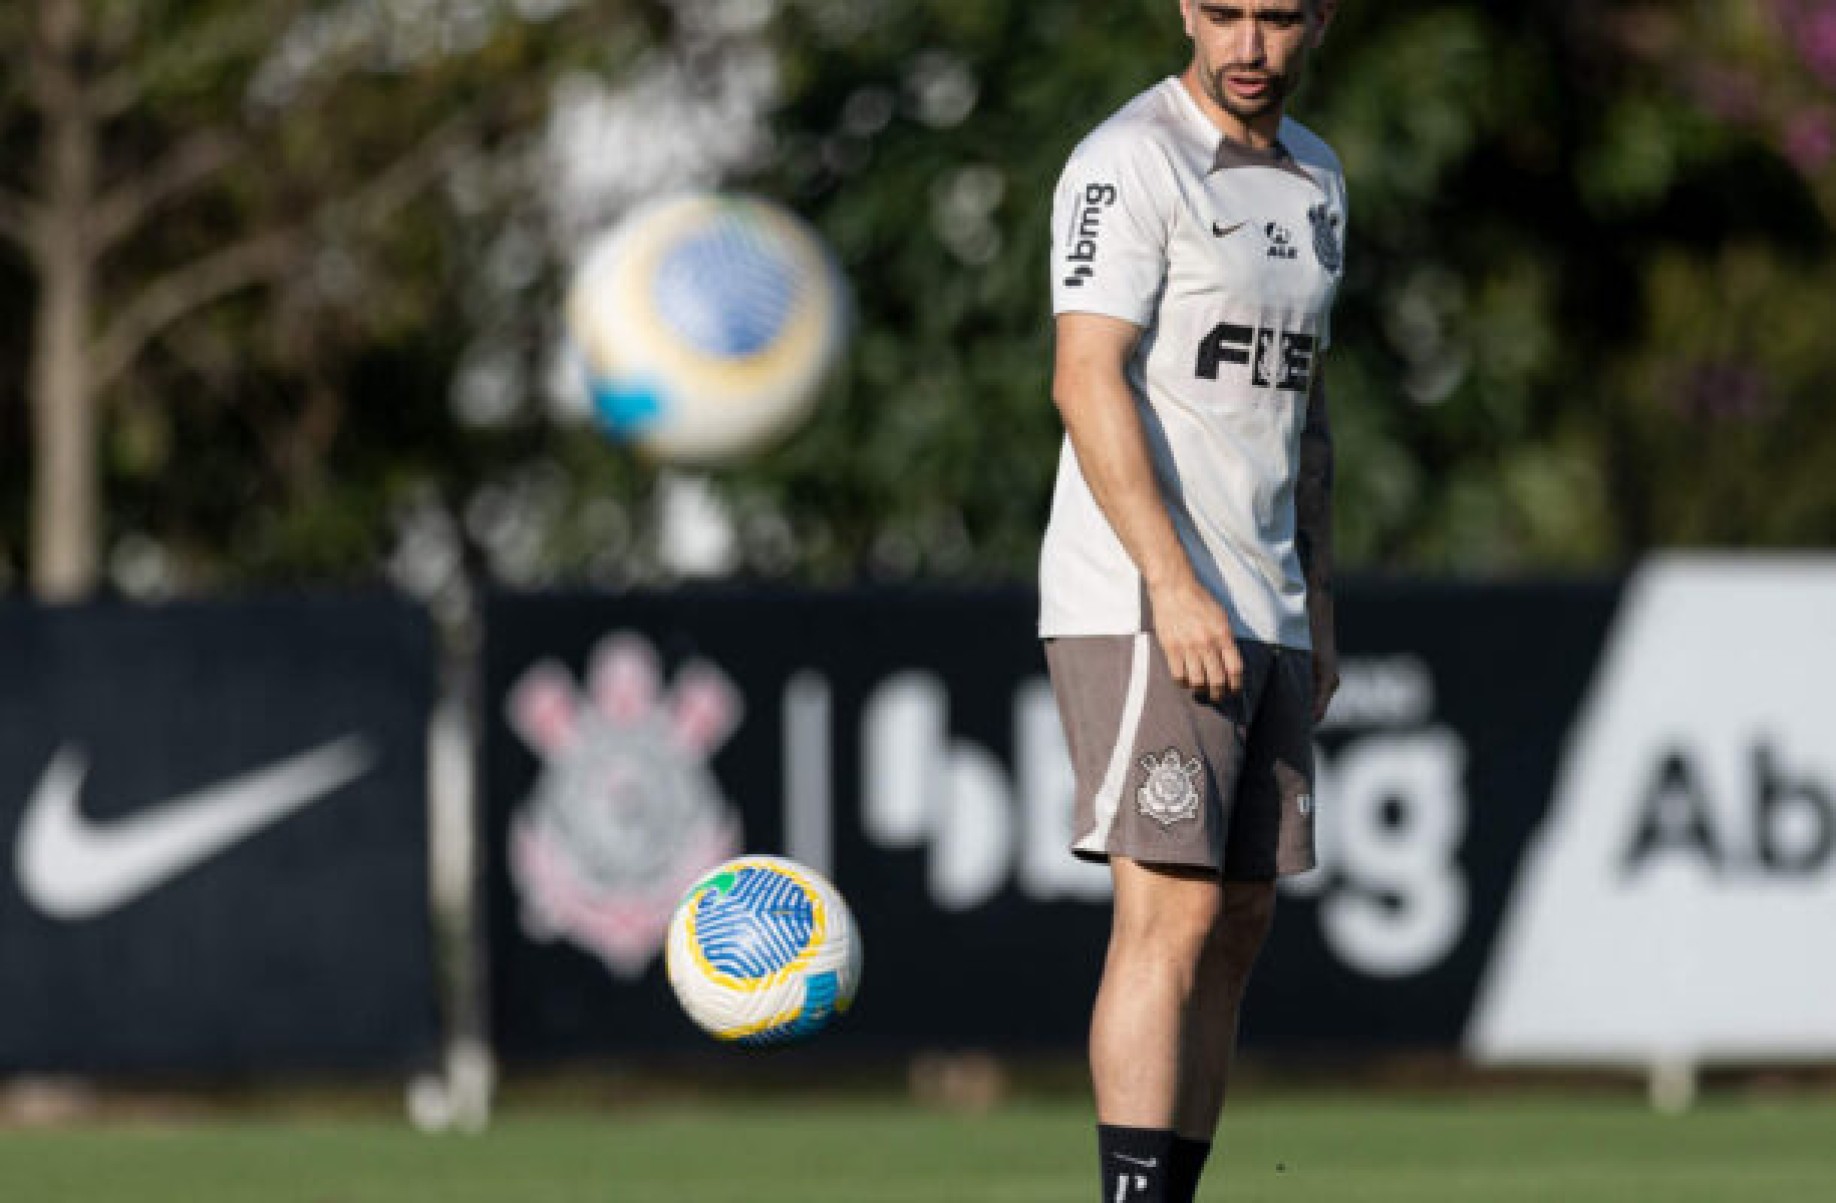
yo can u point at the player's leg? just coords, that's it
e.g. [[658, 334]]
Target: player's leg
[[1150, 762], [1140, 1030], [1246, 915], [1162, 924], [1269, 834]]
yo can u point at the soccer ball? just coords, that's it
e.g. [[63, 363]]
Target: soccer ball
[[762, 951], [705, 325]]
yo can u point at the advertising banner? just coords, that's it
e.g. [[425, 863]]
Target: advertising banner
[[907, 743], [215, 829], [1677, 903]]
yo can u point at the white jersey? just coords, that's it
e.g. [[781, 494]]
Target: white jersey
[[1228, 258]]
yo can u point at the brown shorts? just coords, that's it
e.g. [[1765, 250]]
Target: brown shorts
[[1167, 777]]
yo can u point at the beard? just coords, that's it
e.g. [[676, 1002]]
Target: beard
[[1247, 110]]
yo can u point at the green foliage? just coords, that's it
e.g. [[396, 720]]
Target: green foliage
[[276, 429], [1517, 181], [1586, 310]]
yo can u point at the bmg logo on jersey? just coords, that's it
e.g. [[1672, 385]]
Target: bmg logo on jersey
[[1086, 224], [1273, 358]]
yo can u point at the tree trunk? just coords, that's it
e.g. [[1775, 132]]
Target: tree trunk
[[64, 436], [64, 474]]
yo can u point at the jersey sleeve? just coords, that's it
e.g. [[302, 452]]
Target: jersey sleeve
[[1110, 219]]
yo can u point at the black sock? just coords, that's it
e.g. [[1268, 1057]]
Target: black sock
[[1135, 1163], [1184, 1166]]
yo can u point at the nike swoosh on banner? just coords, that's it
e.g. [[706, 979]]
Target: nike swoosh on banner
[[72, 868], [1220, 230]]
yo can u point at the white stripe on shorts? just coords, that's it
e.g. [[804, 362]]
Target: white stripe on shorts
[[1109, 794]]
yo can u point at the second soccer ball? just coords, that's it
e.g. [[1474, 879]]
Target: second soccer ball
[[705, 325]]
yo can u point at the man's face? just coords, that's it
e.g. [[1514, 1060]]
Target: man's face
[[1251, 53]]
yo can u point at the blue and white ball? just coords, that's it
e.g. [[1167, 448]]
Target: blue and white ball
[[706, 325], [763, 951]]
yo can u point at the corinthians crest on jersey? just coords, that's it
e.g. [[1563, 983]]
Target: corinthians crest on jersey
[[1326, 237]]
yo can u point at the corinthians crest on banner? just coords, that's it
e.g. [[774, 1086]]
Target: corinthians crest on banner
[[626, 813]]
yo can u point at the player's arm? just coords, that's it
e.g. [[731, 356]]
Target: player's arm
[[1313, 539], [1093, 396]]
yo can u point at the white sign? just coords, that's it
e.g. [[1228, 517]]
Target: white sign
[[1679, 904]]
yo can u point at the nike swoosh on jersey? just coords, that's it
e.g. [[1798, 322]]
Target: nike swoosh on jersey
[[70, 867], [1220, 230]]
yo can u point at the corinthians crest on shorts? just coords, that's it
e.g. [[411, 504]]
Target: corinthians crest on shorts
[[626, 814], [1170, 791], [1326, 237]]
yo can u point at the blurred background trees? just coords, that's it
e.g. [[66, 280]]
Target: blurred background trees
[[1587, 310], [237, 302]]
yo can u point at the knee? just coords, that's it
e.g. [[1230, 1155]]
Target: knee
[[1173, 923], [1246, 914]]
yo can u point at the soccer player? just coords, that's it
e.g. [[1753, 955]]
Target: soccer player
[[1185, 575]]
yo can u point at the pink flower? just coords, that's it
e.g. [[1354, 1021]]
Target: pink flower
[[1720, 390], [1813, 28], [1810, 140], [1731, 95]]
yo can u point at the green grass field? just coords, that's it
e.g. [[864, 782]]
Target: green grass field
[[1296, 1151]]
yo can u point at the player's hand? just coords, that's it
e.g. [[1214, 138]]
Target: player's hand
[[1195, 634], [1325, 677]]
